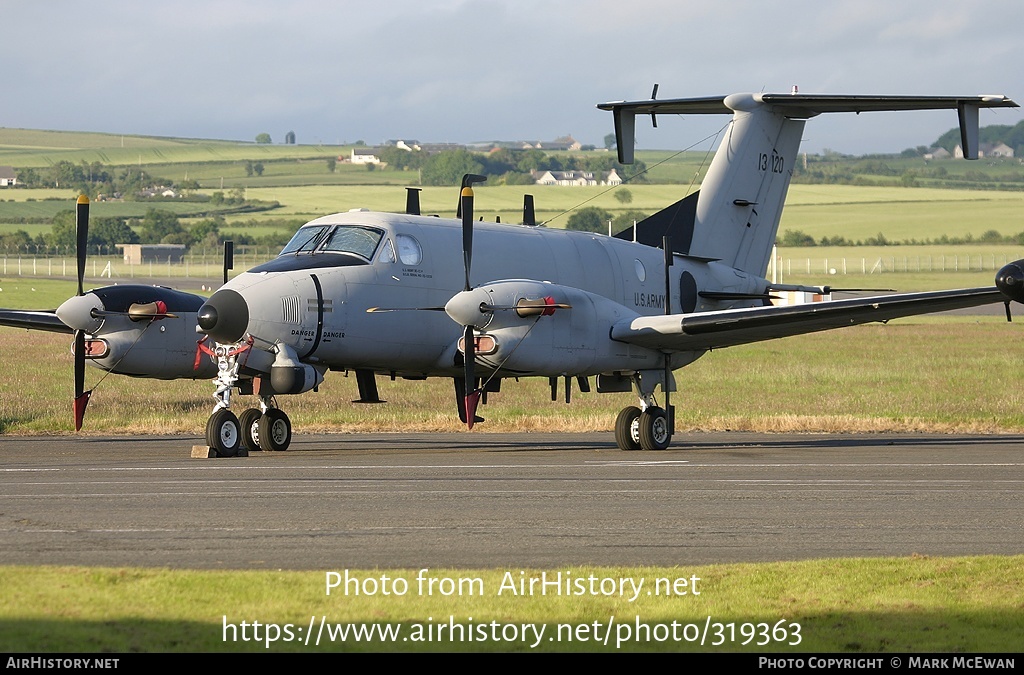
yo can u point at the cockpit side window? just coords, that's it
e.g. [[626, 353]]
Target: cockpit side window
[[387, 252]]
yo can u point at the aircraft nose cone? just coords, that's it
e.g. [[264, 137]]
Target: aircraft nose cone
[[1010, 280], [225, 316], [76, 312]]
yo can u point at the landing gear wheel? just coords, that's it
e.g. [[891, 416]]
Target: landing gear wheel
[[627, 429], [275, 430], [249, 421], [223, 433], [655, 430]]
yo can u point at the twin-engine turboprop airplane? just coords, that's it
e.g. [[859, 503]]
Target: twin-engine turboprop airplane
[[121, 329], [389, 293]]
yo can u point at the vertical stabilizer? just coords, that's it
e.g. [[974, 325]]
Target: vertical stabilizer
[[742, 196]]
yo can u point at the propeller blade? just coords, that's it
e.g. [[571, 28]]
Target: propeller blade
[[82, 241], [81, 396], [472, 393], [466, 201], [371, 310], [466, 213]]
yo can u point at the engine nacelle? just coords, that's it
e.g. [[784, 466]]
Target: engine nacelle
[[538, 328], [163, 350]]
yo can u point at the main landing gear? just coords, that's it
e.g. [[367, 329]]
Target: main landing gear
[[265, 428], [647, 427]]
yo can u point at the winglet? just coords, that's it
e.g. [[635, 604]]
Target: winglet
[[968, 115], [625, 134]]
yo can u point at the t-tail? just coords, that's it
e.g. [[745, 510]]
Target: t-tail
[[735, 215]]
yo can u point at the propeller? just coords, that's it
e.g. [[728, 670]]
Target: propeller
[[473, 392], [82, 230]]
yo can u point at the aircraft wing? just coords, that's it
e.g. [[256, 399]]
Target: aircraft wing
[[726, 328], [32, 320]]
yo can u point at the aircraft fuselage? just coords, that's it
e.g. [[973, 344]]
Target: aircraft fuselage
[[317, 302]]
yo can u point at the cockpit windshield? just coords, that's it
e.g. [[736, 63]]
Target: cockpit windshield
[[352, 239], [305, 239], [359, 240]]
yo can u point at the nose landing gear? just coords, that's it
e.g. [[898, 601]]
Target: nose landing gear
[[266, 428]]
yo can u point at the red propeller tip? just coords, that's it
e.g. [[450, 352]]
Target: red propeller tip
[[472, 401], [79, 408]]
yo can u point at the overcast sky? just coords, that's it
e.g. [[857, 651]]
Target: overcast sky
[[473, 70]]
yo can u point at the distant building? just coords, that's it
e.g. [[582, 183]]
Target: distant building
[[575, 178], [996, 150], [158, 191], [7, 176], [937, 153], [365, 156], [136, 254], [987, 150], [562, 143]]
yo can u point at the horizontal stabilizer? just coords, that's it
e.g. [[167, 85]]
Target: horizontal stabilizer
[[800, 106]]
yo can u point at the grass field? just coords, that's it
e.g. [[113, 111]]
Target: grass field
[[26, 148], [916, 604]]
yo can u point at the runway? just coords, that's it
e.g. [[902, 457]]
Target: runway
[[507, 500]]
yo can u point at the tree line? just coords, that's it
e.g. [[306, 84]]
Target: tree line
[[156, 227], [95, 178]]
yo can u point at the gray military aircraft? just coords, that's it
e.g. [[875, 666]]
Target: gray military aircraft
[[387, 293]]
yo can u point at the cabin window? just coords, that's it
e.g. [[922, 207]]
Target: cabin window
[[409, 250], [641, 271]]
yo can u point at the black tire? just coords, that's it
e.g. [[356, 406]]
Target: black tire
[[275, 430], [249, 422], [655, 429], [223, 433], [627, 432]]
